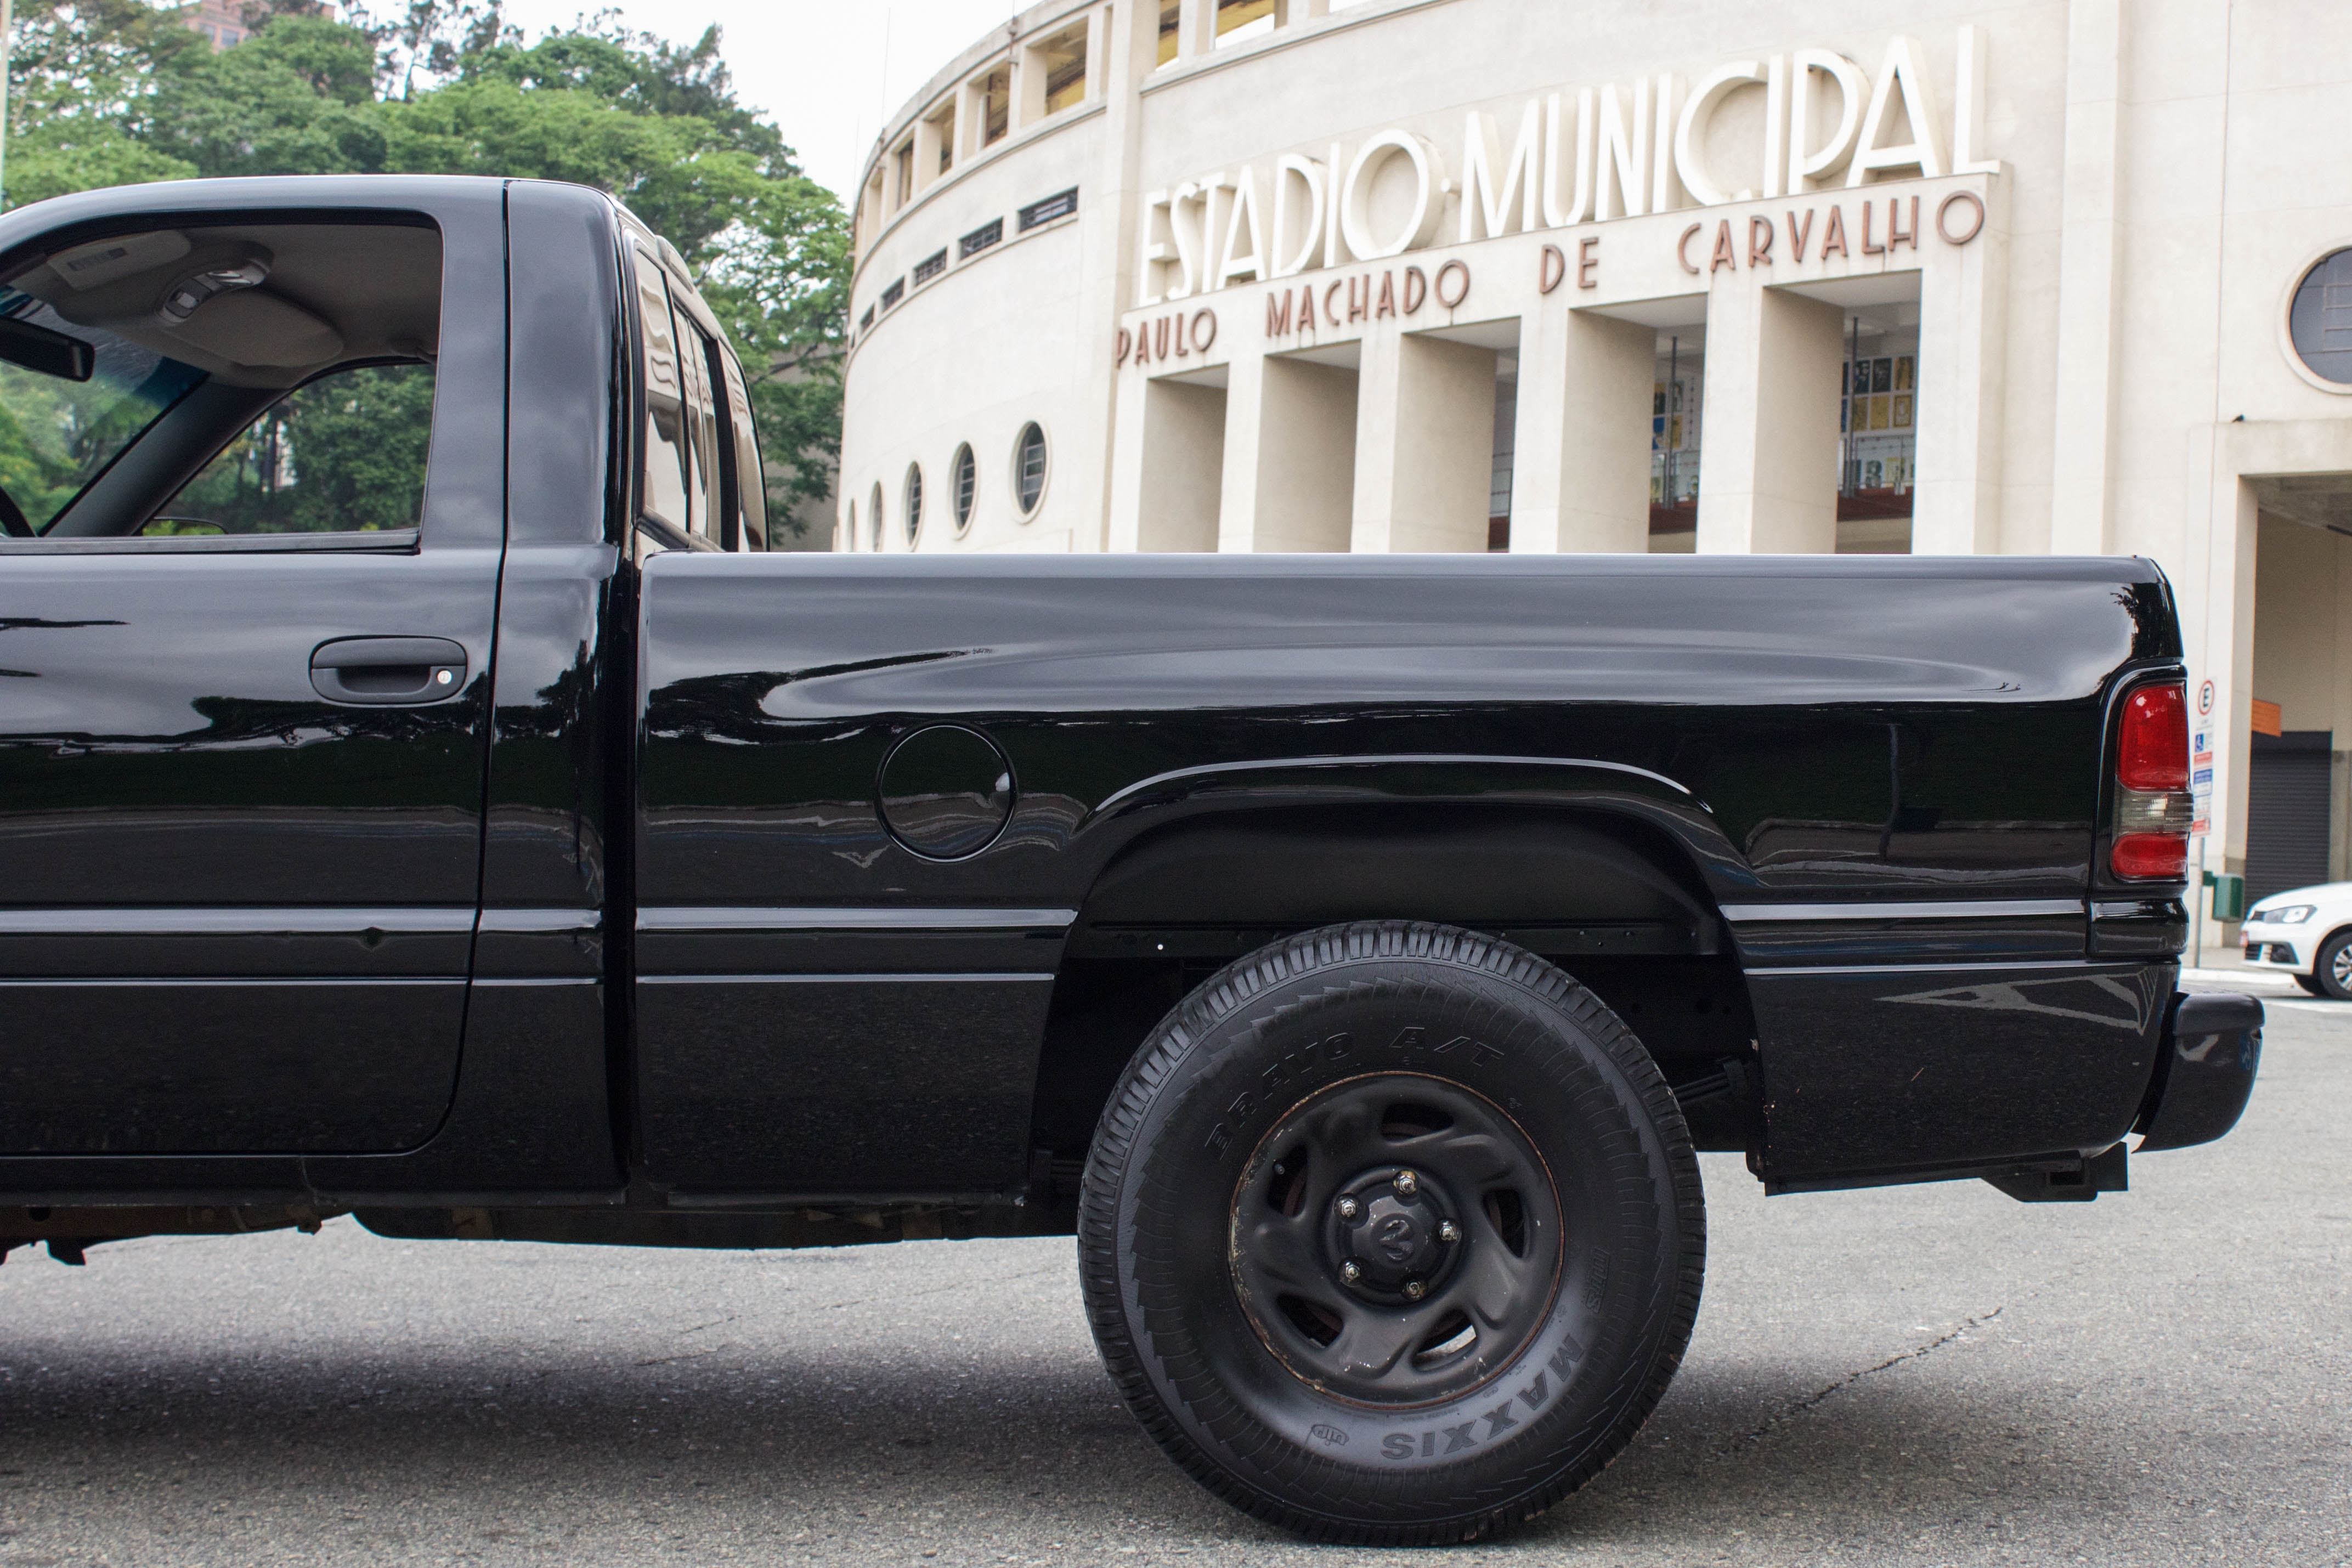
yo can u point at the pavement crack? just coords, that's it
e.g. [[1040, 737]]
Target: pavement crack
[[1851, 1378], [935, 1290]]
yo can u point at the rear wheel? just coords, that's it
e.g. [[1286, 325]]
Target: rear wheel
[[1393, 1234]]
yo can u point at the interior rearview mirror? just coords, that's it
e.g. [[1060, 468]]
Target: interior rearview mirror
[[47, 352]]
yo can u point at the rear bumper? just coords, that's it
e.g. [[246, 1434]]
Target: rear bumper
[[2205, 1070]]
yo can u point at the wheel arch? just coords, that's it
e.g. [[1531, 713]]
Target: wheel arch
[[1611, 894], [2320, 947]]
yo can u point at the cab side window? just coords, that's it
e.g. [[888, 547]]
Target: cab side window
[[743, 477], [705, 496], [700, 459], [346, 453], [668, 481], [233, 374]]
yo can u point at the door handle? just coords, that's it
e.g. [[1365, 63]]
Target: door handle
[[388, 671]]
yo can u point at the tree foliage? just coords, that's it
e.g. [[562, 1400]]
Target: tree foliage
[[117, 91], [345, 453]]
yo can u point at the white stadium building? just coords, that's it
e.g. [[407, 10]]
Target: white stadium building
[[1853, 276]]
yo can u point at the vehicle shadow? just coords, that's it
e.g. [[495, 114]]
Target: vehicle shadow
[[919, 1446]]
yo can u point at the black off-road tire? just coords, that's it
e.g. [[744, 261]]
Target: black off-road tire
[[1389, 1071]]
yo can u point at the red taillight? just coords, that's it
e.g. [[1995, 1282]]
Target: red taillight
[[2154, 750], [2150, 855], [2152, 807]]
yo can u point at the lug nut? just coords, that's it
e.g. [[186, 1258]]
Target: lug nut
[[1414, 1290], [1407, 1183], [1448, 1231], [1347, 1209], [1352, 1271]]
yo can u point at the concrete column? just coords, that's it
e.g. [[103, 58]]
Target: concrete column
[[1123, 503], [1099, 69], [1372, 502], [1768, 476], [1107, 282], [1424, 445], [1580, 479], [1196, 28], [2217, 602], [1296, 490], [1028, 86], [2081, 510], [2339, 714], [1963, 327], [1536, 457], [1183, 465], [927, 151], [1244, 426], [971, 117], [2230, 656]]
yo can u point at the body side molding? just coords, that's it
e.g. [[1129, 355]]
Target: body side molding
[[1957, 909], [690, 918]]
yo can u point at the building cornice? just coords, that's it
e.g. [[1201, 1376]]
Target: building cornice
[[1281, 39], [1028, 136], [1000, 40]]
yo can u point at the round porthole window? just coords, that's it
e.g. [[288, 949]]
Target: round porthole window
[[1029, 468], [914, 502], [874, 515], [964, 474], [2319, 321]]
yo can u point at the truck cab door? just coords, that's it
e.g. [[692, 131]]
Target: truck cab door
[[245, 627]]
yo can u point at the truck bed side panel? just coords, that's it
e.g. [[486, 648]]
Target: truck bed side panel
[[1917, 732]]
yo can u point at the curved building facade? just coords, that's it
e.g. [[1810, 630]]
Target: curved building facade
[[2069, 276]]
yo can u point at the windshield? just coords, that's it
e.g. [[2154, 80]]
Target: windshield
[[58, 435]]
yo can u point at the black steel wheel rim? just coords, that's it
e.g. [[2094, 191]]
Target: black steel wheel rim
[[1396, 1240]]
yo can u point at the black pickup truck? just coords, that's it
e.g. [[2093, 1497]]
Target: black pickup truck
[[423, 798]]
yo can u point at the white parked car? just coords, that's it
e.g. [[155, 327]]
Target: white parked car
[[2306, 932]]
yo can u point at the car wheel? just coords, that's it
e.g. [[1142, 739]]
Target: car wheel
[[1392, 1234], [2332, 969], [2311, 983]]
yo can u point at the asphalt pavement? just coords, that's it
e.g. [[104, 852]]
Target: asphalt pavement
[[1921, 1375]]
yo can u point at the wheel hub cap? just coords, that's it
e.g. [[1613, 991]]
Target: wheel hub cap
[[1395, 1238]]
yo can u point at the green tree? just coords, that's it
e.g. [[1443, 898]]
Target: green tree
[[80, 75], [769, 247], [117, 91], [345, 453], [298, 97]]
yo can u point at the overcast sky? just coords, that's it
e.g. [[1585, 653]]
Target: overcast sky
[[826, 71]]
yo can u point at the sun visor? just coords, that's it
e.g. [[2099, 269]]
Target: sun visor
[[102, 261], [252, 327]]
